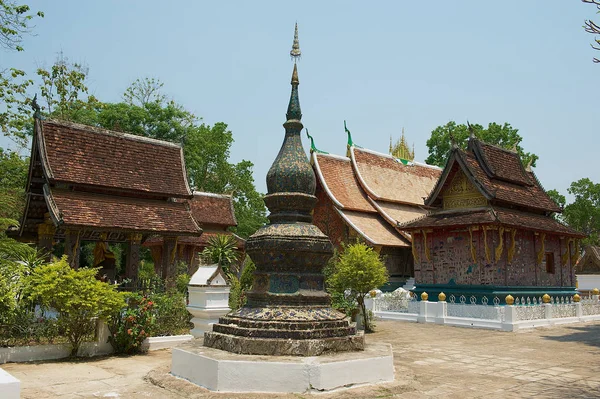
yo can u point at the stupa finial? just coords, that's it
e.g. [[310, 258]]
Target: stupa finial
[[295, 53]]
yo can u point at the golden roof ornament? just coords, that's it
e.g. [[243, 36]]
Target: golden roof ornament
[[295, 53]]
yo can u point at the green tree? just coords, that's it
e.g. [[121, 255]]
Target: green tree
[[440, 142], [76, 295], [358, 269], [15, 22], [13, 177], [591, 27], [583, 214]]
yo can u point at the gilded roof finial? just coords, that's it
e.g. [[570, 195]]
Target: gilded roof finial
[[350, 142], [295, 53]]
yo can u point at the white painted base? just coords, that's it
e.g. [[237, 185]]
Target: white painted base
[[228, 372], [587, 282], [10, 387], [170, 341]]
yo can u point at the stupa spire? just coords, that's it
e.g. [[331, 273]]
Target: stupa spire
[[295, 53], [294, 112]]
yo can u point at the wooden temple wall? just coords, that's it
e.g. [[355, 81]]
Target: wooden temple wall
[[451, 261]]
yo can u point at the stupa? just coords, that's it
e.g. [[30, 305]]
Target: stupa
[[288, 311], [288, 315]]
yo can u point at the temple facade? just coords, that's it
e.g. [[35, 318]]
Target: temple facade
[[215, 215], [87, 184], [492, 232], [365, 195]]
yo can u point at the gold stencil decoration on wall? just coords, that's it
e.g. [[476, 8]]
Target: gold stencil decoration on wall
[[462, 193]]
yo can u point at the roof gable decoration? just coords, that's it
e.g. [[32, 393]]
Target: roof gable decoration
[[461, 193]]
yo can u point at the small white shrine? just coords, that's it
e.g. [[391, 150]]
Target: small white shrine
[[208, 298]]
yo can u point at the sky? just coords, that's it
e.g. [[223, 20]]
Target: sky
[[380, 65]]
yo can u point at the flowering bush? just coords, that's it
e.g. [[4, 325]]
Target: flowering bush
[[133, 325]]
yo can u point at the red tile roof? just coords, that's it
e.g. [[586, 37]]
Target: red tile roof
[[386, 178], [208, 208], [491, 215], [373, 228], [90, 210], [515, 187], [85, 155], [340, 183], [201, 241]]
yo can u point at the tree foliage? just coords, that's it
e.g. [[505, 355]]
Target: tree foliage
[[583, 214], [76, 295], [440, 142], [593, 28], [13, 176], [15, 22], [359, 269], [221, 250]]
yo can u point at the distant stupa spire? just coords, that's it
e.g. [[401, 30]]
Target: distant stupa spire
[[295, 53]]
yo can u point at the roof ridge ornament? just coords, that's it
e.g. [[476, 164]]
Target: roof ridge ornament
[[313, 148], [350, 142], [471, 131], [37, 114]]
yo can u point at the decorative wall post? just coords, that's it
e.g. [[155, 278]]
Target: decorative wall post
[[46, 233], [423, 305], [168, 257], [209, 298], [72, 247], [133, 256], [442, 309], [510, 315]]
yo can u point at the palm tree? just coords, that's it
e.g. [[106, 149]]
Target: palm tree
[[222, 250]]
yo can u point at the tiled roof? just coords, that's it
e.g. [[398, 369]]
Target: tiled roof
[[386, 178], [501, 164], [373, 228], [501, 191], [208, 208], [85, 155], [491, 215], [81, 209], [337, 177], [590, 261], [201, 241], [399, 213]]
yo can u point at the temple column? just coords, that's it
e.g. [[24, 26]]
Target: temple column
[[46, 233], [168, 257], [133, 256], [72, 247]]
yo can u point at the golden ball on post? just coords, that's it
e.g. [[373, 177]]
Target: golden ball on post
[[424, 296], [546, 298], [595, 291], [576, 298], [509, 299], [441, 297]]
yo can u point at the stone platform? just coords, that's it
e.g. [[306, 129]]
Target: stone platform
[[223, 371]]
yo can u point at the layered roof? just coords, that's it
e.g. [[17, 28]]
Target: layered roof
[[209, 208], [107, 212], [201, 241], [84, 155], [498, 174], [373, 229], [492, 215], [386, 178]]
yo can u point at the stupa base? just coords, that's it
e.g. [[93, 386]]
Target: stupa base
[[219, 370]]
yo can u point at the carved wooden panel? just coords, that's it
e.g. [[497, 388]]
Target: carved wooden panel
[[462, 193]]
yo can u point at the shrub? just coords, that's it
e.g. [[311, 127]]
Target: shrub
[[76, 295], [239, 287], [358, 270], [222, 250], [132, 325], [28, 327], [170, 314]]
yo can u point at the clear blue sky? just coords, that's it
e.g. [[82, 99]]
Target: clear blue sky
[[380, 65]]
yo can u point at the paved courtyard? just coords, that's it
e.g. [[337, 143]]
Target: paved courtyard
[[430, 361]]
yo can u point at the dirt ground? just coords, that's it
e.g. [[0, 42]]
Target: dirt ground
[[430, 361]]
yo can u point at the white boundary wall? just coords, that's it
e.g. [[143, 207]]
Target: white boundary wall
[[509, 317]]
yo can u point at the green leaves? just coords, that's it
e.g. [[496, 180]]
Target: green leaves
[[221, 250], [440, 141]]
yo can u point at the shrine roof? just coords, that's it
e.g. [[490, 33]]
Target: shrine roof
[[398, 213], [209, 208], [373, 228], [90, 210], [201, 241], [337, 178], [491, 215], [499, 176], [89, 156], [384, 177], [590, 261]]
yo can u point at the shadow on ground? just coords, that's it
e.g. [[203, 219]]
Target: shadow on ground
[[588, 335]]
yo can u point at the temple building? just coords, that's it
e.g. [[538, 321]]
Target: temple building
[[214, 214], [492, 232], [366, 195], [91, 184]]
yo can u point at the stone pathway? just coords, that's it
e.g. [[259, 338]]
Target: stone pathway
[[430, 360]]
